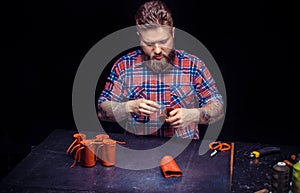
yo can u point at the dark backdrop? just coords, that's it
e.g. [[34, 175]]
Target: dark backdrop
[[255, 44]]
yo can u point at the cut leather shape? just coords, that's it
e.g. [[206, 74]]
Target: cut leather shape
[[85, 154], [108, 152], [169, 167], [98, 150], [88, 158], [165, 114], [88, 151]]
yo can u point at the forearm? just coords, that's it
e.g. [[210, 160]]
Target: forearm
[[113, 111], [211, 112]]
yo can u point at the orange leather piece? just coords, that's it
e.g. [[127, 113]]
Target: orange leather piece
[[108, 152], [78, 137], [165, 114], [98, 150], [87, 157], [85, 154], [88, 151], [169, 167], [100, 137], [77, 157]]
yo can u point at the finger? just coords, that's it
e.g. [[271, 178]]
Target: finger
[[176, 123], [172, 119], [147, 107], [152, 104], [145, 112], [167, 110], [178, 126], [174, 112]]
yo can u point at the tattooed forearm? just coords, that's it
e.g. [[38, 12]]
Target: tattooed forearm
[[112, 111], [211, 113]]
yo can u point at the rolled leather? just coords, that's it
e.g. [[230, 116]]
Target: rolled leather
[[87, 157], [169, 167], [85, 154], [108, 152], [165, 114]]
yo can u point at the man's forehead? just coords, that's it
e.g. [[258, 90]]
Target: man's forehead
[[155, 34]]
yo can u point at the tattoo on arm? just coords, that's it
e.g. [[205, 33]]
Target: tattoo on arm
[[211, 113], [112, 111]]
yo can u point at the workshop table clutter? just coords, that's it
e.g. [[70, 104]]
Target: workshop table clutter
[[47, 167], [88, 151]]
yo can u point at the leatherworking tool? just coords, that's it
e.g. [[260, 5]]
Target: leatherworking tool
[[218, 146], [231, 163], [264, 151], [262, 191]]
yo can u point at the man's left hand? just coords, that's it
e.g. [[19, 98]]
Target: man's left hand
[[182, 117]]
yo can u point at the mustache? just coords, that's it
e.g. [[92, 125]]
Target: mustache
[[162, 54], [169, 57]]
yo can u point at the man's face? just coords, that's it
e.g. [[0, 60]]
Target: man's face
[[157, 43]]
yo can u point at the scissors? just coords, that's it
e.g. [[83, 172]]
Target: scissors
[[218, 146]]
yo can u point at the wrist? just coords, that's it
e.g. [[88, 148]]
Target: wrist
[[196, 113], [128, 108]]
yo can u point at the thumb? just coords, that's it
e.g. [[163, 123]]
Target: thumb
[[173, 112]]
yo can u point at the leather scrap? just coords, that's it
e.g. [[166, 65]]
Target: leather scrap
[[169, 167], [165, 114]]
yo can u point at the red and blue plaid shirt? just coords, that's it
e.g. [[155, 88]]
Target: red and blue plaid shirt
[[188, 84]]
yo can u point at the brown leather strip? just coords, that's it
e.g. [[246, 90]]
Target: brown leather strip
[[71, 146], [76, 146], [77, 157], [169, 167]]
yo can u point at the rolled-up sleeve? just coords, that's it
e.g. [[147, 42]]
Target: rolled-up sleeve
[[205, 86], [114, 87]]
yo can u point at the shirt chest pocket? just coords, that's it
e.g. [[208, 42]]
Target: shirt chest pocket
[[136, 93], [183, 95]]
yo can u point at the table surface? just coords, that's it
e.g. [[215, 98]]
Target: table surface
[[47, 169]]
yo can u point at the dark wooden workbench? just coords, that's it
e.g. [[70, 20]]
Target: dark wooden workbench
[[47, 169]]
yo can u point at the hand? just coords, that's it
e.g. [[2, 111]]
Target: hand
[[182, 117], [142, 107]]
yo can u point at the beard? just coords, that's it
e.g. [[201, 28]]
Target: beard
[[159, 65]]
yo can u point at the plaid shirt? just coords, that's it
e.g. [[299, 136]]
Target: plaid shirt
[[188, 84]]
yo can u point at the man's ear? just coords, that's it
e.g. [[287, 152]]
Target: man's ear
[[173, 32]]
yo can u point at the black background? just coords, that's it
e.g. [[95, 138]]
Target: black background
[[255, 44]]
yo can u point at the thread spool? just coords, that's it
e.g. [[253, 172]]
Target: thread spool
[[280, 178], [296, 178]]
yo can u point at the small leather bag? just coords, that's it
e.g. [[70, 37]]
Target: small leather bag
[[99, 144], [107, 152], [85, 154], [78, 137], [169, 167], [88, 151]]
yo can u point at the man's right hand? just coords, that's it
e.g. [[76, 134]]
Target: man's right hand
[[142, 107]]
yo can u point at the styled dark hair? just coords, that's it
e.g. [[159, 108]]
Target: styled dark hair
[[153, 13]]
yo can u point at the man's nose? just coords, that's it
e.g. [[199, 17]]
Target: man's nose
[[157, 49]]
